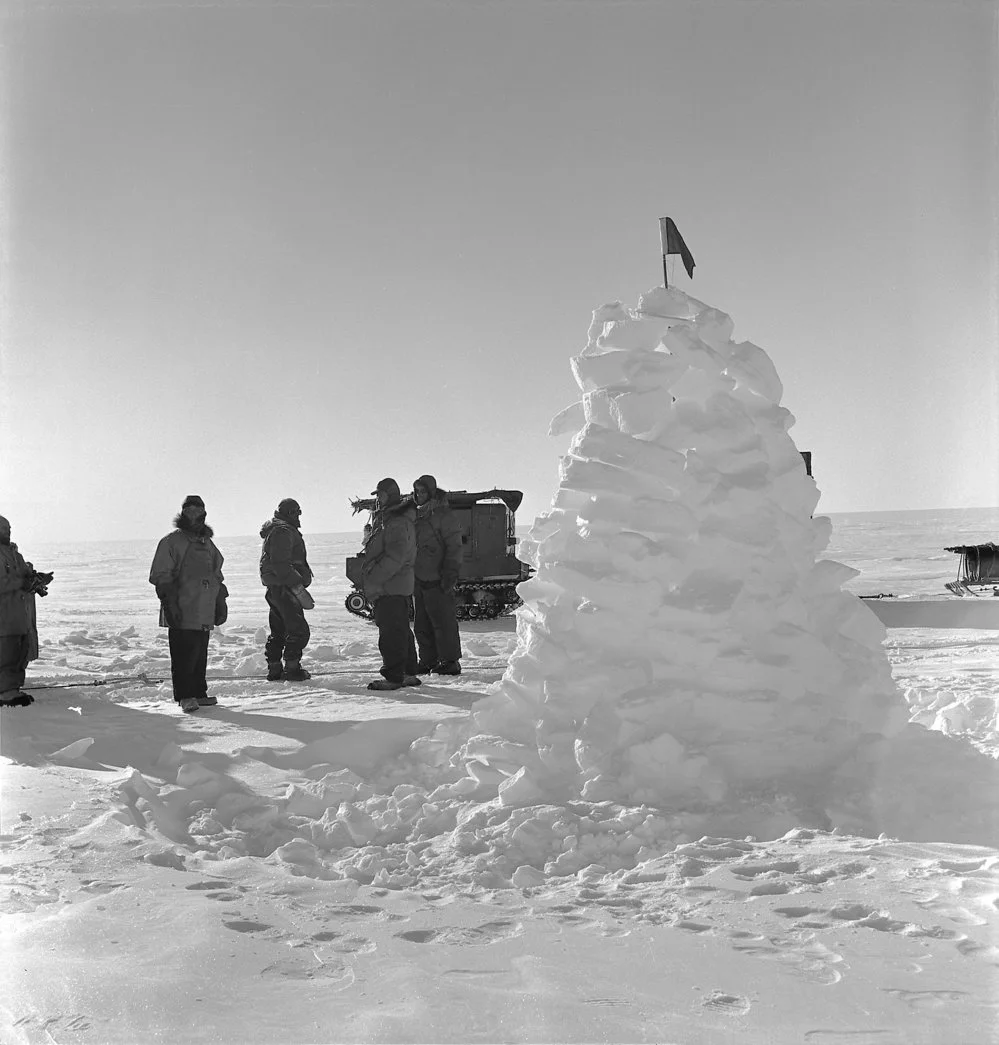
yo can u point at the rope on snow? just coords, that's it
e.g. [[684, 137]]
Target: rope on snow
[[146, 680]]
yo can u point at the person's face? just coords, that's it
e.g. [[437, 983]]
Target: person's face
[[194, 513], [382, 498], [420, 493]]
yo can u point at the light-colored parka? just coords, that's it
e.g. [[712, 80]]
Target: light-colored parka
[[390, 552], [192, 564]]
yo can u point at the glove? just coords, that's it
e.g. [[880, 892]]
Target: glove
[[306, 600], [167, 594], [37, 583]]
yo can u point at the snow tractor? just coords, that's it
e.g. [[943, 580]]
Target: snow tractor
[[490, 569]]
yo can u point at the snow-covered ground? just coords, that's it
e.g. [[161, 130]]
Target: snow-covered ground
[[693, 796], [165, 875]]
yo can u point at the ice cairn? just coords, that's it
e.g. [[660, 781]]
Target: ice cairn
[[682, 644]]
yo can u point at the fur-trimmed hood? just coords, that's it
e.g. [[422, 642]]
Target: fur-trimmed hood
[[182, 523]]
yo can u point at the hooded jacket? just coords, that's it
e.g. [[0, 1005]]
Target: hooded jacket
[[187, 572], [389, 552], [283, 560], [439, 549]]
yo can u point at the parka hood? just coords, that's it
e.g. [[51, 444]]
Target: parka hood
[[406, 508], [430, 483], [182, 523], [270, 524]]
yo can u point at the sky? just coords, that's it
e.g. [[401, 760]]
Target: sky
[[288, 250]]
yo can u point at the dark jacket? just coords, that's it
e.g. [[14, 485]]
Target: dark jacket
[[389, 552], [282, 559], [438, 541], [187, 572], [17, 606]]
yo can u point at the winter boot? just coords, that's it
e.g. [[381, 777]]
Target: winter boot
[[385, 684], [275, 671], [294, 672], [423, 668], [411, 680], [189, 704], [207, 702], [15, 698], [447, 667]]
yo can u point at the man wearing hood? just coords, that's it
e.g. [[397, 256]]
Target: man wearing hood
[[285, 573], [387, 580], [187, 574], [19, 583], [438, 560]]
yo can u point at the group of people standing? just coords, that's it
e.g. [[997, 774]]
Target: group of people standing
[[412, 551]]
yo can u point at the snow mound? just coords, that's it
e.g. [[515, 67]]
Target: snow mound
[[682, 642]]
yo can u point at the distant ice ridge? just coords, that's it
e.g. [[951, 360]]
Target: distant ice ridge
[[682, 644]]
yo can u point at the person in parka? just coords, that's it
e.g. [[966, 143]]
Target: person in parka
[[187, 574], [285, 573], [438, 559], [387, 580], [19, 583]]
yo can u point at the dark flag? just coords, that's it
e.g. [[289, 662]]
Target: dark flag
[[673, 244]]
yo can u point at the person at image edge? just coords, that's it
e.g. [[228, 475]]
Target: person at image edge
[[20, 582]]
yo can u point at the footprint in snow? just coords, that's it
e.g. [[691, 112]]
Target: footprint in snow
[[355, 910], [769, 889], [925, 999], [241, 925], [219, 891], [691, 926], [755, 870], [333, 972], [354, 945], [812, 961], [490, 932], [727, 1004], [952, 912], [92, 886], [868, 917]]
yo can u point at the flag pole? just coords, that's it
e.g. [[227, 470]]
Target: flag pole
[[665, 277]]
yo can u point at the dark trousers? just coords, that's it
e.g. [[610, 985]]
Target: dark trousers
[[289, 629], [14, 651], [436, 625], [188, 662], [395, 638]]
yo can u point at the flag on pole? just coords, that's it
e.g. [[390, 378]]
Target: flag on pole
[[673, 244]]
